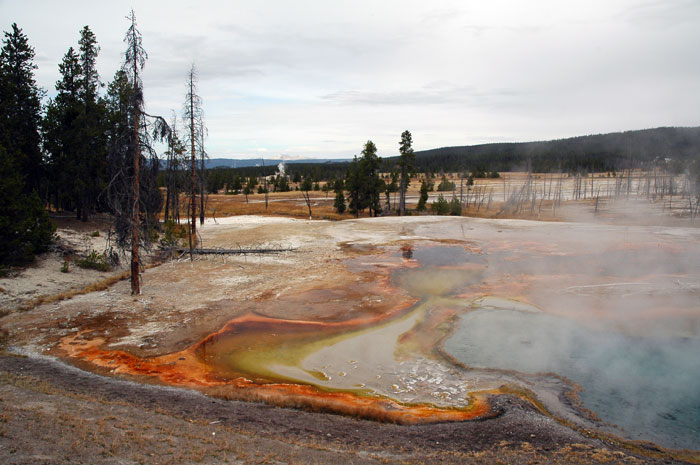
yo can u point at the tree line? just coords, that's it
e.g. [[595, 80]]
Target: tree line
[[90, 150], [673, 148], [677, 146]]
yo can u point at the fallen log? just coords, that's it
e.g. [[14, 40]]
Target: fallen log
[[233, 251]]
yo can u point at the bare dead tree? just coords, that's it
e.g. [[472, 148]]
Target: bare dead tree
[[193, 117], [306, 186], [175, 176], [132, 193], [202, 171]]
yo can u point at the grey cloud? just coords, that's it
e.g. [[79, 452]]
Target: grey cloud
[[212, 59], [663, 13], [329, 43], [429, 95], [439, 17]]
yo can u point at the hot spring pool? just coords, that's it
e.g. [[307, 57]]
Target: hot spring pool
[[646, 385]]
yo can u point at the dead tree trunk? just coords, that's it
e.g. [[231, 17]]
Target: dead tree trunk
[[201, 179], [135, 216], [135, 283], [193, 187]]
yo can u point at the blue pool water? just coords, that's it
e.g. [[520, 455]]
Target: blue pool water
[[648, 386]]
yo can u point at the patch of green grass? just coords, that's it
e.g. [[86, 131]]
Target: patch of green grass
[[94, 261]]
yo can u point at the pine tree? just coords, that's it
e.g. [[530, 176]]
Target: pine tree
[[372, 185], [62, 134], [339, 203], [25, 227], [363, 183], [20, 108], [91, 173], [405, 164], [421, 207], [353, 184], [74, 131], [237, 184]]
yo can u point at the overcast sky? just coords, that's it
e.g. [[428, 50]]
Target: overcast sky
[[319, 78]]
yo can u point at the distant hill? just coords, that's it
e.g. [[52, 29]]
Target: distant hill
[[602, 152], [244, 163]]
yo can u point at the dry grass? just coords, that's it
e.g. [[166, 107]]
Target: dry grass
[[26, 382], [291, 203], [100, 285], [279, 204], [40, 420]]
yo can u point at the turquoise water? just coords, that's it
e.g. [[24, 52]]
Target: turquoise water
[[648, 386]]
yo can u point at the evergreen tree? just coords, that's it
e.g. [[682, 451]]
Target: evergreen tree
[[74, 131], [405, 164], [446, 185], [440, 206], [455, 207], [363, 182], [353, 184], [373, 186], [421, 207], [20, 108], [91, 172], [339, 203], [237, 184], [25, 227], [62, 133]]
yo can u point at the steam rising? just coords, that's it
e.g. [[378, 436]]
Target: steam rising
[[619, 315]]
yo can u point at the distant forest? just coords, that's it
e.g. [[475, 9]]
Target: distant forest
[[602, 152], [671, 147]]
